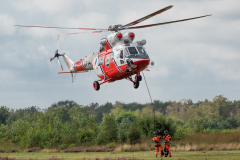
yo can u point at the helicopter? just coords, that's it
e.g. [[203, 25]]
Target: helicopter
[[119, 57]]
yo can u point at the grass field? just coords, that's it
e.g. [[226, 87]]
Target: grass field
[[192, 147], [180, 155]]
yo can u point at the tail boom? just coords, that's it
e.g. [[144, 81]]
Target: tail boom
[[86, 63], [81, 66]]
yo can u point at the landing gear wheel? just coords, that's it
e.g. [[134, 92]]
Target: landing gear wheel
[[136, 84], [96, 85], [140, 78]]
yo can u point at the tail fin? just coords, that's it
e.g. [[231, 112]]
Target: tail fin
[[68, 61]]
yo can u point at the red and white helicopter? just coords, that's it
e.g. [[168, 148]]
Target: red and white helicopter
[[118, 57]]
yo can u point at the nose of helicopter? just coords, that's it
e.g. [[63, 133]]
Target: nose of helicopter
[[141, 63]]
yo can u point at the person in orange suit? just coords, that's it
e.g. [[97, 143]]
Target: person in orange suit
[[158, 146], [167, 139]]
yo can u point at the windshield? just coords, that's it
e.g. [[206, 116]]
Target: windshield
[[132, 50], [141, 50]]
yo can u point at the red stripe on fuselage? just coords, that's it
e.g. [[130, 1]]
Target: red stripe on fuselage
[[78, 66], [117, 75]]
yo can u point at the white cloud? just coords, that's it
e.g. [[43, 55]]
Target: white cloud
[[37, 33], [88, 2], [91, 20], [8, 76], [224, 53], [6, 25], [225, 71], [159, 71], [189, 56], [41, 6], [42, 49]]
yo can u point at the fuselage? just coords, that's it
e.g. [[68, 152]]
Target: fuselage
[[111, 61]]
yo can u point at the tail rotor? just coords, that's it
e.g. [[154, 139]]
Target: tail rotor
[[59, 62]]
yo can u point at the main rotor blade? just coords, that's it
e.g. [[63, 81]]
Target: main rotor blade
[[74, 72], [84, 32], [52, 58], [157, 24], [59, 27], [148, 16]]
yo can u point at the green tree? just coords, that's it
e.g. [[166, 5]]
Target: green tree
[[108, 129], [78, 112], [4, 114], [228, 123], [117, 107], [92, 107], [60, 112], [103, 109], [146, 125], [134, 133], [66, 104], [223, 106], [161, 106], [123, 128], [178, 110], [130, 115], [162, 123], [197, 125]]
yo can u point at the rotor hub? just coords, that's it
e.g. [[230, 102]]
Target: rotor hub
[[115, 27]]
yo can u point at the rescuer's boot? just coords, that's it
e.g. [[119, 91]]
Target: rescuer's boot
[[162, 153]]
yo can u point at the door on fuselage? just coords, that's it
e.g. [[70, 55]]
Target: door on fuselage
[[100, 66], [120, 57], [107, 65]]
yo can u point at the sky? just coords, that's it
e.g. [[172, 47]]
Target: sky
[[196, 60]]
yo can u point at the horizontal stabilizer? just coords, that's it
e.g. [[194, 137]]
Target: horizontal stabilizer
[[73, 72]]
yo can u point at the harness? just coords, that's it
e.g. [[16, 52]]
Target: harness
[[167, 140], [157, 143]]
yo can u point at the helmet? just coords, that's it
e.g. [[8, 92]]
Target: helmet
[[166, 132], [155, 132]]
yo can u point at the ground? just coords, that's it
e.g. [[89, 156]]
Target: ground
[[180, 155]]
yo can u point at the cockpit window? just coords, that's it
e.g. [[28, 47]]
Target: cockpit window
[[132, 50], [141, 50]]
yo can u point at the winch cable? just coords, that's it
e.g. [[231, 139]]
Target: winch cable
[[151, 100]]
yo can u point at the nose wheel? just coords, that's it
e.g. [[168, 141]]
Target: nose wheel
[[96, 85]]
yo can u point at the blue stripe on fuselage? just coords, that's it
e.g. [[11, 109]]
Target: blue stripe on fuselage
[[102, 70], [117, 66], [108, 43]]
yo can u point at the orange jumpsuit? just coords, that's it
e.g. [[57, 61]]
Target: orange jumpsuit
[[158, 146], [167, 145]]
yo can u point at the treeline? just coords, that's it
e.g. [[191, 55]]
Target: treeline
[[67, 123], [60, 127]]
